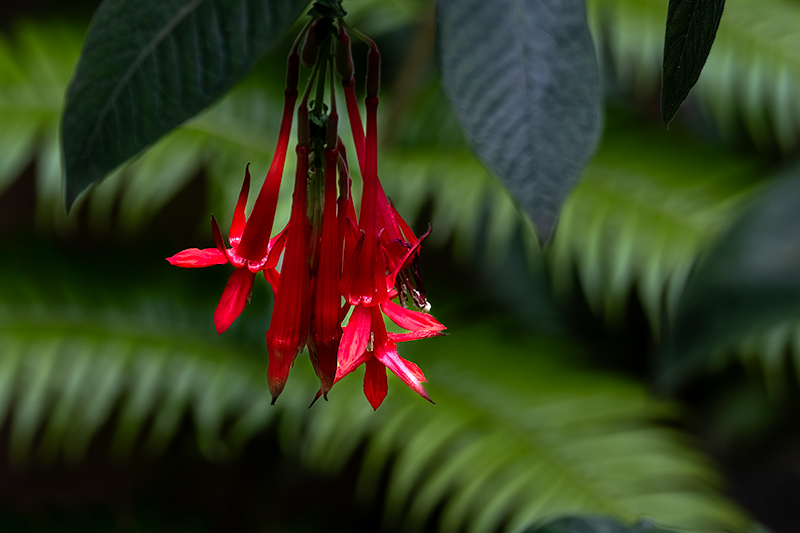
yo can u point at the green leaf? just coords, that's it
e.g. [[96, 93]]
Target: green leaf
[[149, 65], [522, 78], [691, 27], [504, 449], [646, 206], [745, 293], [34, 68]]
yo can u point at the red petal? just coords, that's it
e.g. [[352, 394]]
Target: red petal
[[414, 369], [326, 329], [364, 279], [355, 121], [375, 385], [410, 255], [354, 341], [280, 362], [196, 258], [239, 220], [234, 298], [404, 227], [407, 371], [323, 358]]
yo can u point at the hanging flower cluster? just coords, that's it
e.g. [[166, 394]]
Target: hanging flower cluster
[[335, 263]]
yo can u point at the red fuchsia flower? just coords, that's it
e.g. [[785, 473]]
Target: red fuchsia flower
[[366, 341], [289, 328], [326, 319], [240, 284], [251, 250], [400, 245], [308, 309], [333, 260], [386, 246]]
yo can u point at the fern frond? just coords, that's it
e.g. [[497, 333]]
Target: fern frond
[[645, 207], [68, 364], [514, 448], [500, 446], [35, 66], [741, 301]]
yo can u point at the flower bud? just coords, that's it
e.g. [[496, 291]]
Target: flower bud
[[344, 56], [373, 71], [310, 50]]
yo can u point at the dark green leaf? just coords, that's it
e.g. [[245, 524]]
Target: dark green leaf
[[149, 65], [594, 524], [691, 28], [747, 283], [522, 78]]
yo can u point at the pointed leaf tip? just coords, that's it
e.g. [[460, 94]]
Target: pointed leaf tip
[[527, 93], [690, 32]]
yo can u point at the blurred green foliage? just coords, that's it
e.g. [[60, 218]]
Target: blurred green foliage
[[542, 388]]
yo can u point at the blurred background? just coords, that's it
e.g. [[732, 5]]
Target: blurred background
[[644, 365]]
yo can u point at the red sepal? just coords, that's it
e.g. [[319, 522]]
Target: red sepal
[[234, 297], [196, 258]]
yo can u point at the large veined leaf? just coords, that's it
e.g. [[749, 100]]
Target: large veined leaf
[[691, 27], [744, 296], [514, 442], [149, 65], [522, 78]]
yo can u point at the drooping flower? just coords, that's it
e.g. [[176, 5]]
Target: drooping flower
[[288, 330], [400, 245], [333, 260], [240, 284], [252, 250], [386, 247], [326, 318], [366, 341], [364, 281]]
